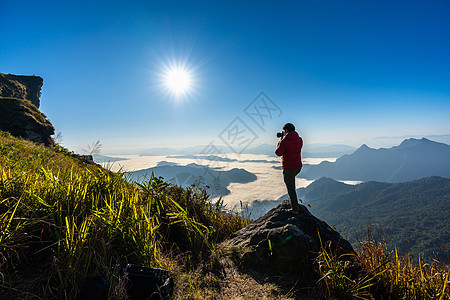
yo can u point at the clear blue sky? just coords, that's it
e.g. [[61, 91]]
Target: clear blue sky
[[341, 71]]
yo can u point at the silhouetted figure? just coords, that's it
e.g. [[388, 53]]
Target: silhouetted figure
[[289, 148]]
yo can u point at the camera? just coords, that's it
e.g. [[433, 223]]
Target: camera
[[280, 134]]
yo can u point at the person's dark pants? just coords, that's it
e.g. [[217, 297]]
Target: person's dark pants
[[289, 180]]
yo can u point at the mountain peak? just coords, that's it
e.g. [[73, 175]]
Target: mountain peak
[[289, 238], [412, 159], [363, 147], [413, 142]]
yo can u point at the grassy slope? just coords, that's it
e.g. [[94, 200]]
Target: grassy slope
[[62, 221]]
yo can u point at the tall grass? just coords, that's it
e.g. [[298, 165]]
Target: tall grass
[[78, 220], [375, 272], [62, 221]]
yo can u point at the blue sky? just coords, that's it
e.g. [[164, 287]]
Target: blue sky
[[341, 71]]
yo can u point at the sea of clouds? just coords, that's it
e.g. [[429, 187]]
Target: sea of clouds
[[269, 184]]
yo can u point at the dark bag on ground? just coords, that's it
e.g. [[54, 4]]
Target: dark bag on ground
[[146, 283]]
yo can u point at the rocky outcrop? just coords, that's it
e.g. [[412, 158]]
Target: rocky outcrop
[[22, 119], [21, 87], [19, 113], [286, 241]]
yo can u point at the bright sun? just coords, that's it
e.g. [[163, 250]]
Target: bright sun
[[178, 81]]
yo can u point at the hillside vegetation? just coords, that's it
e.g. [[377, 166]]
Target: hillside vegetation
[[413, 215], [62, 221]]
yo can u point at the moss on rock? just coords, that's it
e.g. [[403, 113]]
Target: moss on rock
[[22, 119]]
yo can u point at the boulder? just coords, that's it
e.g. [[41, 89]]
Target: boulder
[[21, 87], [286, 241], [21, 118]]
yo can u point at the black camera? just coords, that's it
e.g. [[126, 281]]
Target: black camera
[[280, 134]]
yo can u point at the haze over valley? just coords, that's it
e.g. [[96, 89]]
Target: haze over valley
[[268, 185], [261, 175], [362, 198]]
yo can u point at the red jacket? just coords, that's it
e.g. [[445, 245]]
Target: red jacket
[[290, 148]]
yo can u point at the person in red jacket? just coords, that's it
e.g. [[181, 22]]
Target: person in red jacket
[[290, 148]]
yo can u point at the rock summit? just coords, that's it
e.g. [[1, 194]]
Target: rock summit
[[288, 242]]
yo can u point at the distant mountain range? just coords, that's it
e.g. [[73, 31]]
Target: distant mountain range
[[215, 181], [412, 159], [309, 150], [204, 157], [222, 159], [383, 141], [106, 159], [413, 215], [201, 149]]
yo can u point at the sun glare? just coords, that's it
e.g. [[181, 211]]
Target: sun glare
[[178, 81]]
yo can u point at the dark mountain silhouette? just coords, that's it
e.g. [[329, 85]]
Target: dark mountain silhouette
[[413, 214], [214, 181], [382, 141], [412, 159]]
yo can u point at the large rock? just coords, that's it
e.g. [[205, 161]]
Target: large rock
[[21, 87], [22, 119], [286, 241]]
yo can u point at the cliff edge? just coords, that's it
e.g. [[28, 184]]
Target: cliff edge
[[21, 87], [22, 119], [288, 242], [19, 113]]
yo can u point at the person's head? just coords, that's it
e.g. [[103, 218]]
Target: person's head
[[288, 127]]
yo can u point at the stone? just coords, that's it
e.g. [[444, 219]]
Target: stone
[[21, 118], [287, 242], [21, 87], [19, 113]]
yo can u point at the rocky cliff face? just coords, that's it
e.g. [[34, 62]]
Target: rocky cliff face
[[21, 87], [288, 242], [19, 113], [22, 119]]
